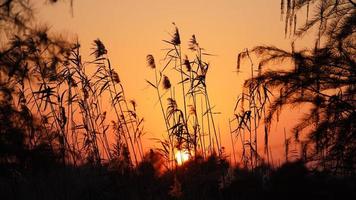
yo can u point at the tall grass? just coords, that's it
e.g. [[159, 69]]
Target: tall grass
[[67, 94], [188, 115], [249, 115]]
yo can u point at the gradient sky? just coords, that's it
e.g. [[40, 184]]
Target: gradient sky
[[131, 29]]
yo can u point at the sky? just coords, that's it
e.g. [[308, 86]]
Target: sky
[[131, 29]]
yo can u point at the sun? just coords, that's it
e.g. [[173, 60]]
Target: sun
[[182, 156]]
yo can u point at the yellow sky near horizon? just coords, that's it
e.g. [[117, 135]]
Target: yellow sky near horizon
[[131, 29]]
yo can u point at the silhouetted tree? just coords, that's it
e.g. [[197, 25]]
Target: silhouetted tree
[[324, 78]]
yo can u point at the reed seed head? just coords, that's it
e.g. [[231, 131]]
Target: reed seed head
[[193, 44], [151, 61], [99, 48], [172, 103], [176, 37], [187, 64], [115, 76], [166, 83]]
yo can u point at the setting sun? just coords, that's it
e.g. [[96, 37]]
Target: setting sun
[[182, 156]]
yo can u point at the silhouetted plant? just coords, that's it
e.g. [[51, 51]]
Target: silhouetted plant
[[47, 78], [323, 78], [249, 113], [185, 129]]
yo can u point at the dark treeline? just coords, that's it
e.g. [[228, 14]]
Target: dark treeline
[[198, 179], [56, 137]]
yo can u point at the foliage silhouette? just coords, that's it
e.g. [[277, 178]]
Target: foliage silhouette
[[53, 100], [322, 77]]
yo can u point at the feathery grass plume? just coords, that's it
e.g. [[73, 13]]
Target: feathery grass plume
[[166, 83], [172, 105], [99, 49], [176, 37], [115, 76], [187, 64], [151, 61], [193, 44]]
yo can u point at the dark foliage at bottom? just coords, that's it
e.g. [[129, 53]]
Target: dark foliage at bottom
[[196, 179]]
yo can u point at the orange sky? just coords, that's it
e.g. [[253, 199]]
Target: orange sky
[[131, 29]]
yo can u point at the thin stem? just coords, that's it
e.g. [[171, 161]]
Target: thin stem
[[232, 143]]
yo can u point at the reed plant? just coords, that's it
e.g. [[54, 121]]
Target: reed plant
[[67, 95], [187, 112], [250, 111]]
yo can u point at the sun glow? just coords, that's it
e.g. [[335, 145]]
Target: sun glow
[[182, 156]]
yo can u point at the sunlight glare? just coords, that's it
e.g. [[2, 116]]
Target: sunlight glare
[[182, 156]]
